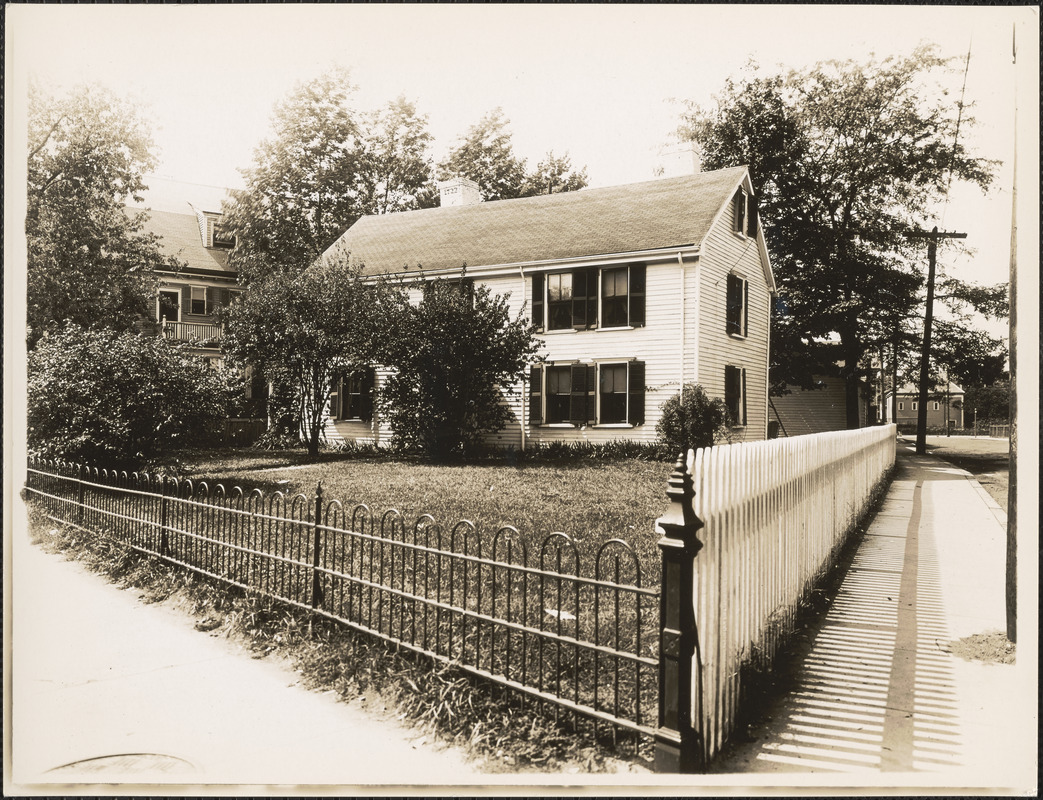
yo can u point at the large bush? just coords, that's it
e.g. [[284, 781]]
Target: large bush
[[456, 355], [692, 420], [118, 399]]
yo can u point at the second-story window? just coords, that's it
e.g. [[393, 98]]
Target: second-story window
[[198, 300], [577, 299], [737, 305]]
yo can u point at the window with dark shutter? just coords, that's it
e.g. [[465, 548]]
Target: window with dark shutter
[[537, 301], [535, 395], [636, 393], [582, 386], [736, 303], [356, 395], [559, 301], [615, 304], [613, 387], [739, 207], [558, 394], [735, 394], [198, 295], [637, 295], [753, 216]]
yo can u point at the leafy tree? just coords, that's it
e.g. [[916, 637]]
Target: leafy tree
[[455, 354], [400, 164], [303, 332], [849, 159], [486, 155], [554, 174], [989, 404], [118, 399], [89, 260], [692, 420], [310, 181]]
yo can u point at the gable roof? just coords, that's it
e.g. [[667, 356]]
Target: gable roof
[[180, 237], [659, 214]]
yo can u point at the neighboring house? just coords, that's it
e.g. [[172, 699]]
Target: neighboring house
[[187, 218], [818, 410], [636, 289], [944, 406]]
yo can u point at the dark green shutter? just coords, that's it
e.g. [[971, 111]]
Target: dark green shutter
[[535, 395], [592, 394], [580, 281], [335, 412], [578, 398], [753, 215], [745, 308], [593, 288], [636, 393], [637, 295], [366, 395], [186, 300], [744, 397], [211, 299], [537, 301]]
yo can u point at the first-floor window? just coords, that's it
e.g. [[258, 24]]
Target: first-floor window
[[587, 394], [353, 398], [612, 396], [915, 404], [937, 407], [735, 394], [901, 406], [198, 299]]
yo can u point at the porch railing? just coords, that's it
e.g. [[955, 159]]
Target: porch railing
[[207, 334]]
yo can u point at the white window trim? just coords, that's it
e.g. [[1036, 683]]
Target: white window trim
[[159, 305], [191, 299], [597, 393]]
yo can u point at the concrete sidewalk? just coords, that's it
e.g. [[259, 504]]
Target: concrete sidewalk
[[109, 690], [880, 699]]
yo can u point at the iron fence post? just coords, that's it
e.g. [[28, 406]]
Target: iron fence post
[[163, 516], [316, 587], [80, 494], [678, 743]]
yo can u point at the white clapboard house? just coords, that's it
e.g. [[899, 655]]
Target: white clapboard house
[[637, 289]]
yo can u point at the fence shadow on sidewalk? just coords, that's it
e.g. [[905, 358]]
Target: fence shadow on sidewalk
[[875, 692]]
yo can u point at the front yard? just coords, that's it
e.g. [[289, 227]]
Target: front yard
[[592, 501]]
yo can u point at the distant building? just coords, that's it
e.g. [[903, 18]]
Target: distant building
[[818, 410], [187, 218], [944, 406]]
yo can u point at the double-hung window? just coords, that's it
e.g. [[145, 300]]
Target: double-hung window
[[198, 300], [578, 299], [738, 304], [353, 398], [735, 394], [587, 394], [744, 214]]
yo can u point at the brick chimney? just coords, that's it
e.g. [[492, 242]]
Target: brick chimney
[[459, 191]]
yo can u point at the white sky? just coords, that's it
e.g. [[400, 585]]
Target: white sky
[[602, 82]]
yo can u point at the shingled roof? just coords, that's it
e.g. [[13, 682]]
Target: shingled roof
[[658, 214], [180, 237]]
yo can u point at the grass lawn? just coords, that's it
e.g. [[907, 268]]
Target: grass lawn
[[592, 501]]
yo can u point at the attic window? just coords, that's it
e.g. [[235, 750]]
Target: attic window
[[223, 237], [744, 220]]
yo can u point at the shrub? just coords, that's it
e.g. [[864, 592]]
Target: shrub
[[455, 355], [118, 399], [692, 420]]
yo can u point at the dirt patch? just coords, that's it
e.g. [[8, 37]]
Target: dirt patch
[[993, 648]]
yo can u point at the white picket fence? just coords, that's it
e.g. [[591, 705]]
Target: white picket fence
[[774, 513]]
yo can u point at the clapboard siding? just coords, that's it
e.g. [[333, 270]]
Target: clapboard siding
[[726, 252]]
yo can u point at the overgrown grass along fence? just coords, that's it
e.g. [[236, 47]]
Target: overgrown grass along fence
[[750, 529], [774, 515], [579, 638]]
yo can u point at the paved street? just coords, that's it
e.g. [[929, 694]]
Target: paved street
[[109, 689]]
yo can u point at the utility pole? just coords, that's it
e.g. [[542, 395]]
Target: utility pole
[[925, 355]]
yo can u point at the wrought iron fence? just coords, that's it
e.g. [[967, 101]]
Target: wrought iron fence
[[582, 639]]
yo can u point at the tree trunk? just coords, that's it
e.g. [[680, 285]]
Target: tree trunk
[[853, 352]]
